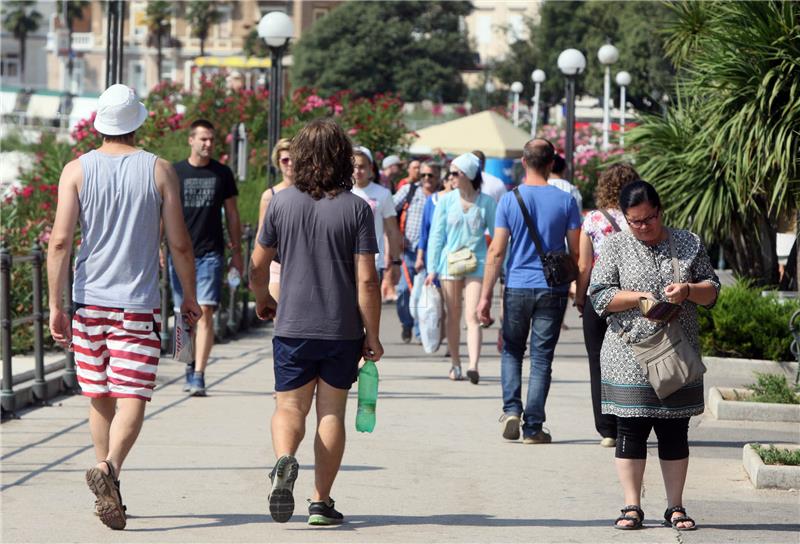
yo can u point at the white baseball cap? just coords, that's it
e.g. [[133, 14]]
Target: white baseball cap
[[391, 160], [363, 151], [119, 111]]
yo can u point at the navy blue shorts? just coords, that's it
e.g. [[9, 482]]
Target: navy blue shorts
[[298, 361]]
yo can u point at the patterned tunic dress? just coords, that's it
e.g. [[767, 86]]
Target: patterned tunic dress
[[626, 264]]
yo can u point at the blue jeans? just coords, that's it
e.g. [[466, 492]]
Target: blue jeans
[[404, 291], [541, 312]]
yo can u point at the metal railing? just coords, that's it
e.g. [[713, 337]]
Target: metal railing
[[235, 308]]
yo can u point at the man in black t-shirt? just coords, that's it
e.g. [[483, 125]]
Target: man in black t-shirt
[[206, 187]]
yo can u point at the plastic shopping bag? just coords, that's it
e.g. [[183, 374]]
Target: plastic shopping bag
[[416, 292], [429, 310]]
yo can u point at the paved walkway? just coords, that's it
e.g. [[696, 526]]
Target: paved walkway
[[434, 470]]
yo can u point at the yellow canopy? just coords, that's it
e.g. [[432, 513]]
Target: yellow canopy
[[233, 62], [488, 131]]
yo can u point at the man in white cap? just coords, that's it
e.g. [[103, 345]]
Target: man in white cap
[[391, 167], [380, 201], [121, 194]]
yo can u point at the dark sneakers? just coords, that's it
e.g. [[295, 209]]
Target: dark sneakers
[[281, 500], [406, 335], [323, 513], [509, 423]]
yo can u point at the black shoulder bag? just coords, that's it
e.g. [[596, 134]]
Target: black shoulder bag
[[558, 266]]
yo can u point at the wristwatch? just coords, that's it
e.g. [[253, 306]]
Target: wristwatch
[[397, 262]]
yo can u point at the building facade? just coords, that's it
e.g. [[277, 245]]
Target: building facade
[[226, 39], [11, 70]]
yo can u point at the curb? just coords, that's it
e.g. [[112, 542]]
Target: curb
[[769, 476], [749, 411], [733, 366]]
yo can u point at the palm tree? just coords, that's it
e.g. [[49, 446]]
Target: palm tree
[[157, 18], [725, 158], [201, 15], [20, 20]]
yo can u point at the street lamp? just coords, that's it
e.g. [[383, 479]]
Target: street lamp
[[607, 55], [623, 80], [276, 29], [572, 63], [489, 87], [538, 77], [516, 88]]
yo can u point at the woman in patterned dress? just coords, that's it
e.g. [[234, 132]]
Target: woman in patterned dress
[[632, 265], [597, 225]]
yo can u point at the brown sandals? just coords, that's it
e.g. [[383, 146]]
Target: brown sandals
[[108, 505]]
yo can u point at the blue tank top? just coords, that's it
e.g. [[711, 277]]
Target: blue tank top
[[120, 216]]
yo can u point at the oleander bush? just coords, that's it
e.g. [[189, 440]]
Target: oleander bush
[[745, 324]]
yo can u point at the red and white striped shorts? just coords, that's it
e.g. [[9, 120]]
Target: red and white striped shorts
[[116, 351]]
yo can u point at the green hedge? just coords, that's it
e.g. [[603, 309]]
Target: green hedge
[[746, 324]]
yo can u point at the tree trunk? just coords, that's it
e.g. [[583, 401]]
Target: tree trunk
[[23, 38], [70, 62], [159, 55], [752, 251], [202, 46]]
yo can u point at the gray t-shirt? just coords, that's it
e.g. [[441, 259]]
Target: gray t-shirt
[[317, 241]]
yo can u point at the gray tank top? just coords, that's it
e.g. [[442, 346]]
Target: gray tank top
[[117, 262]]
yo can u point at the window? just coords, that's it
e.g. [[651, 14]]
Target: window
[[483, 29], [516, 28], [168, 69], [9, 67], [137, 77], [138, 17], [318, 13], [225, 25]]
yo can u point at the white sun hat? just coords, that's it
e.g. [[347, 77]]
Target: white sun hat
[[119, 111]]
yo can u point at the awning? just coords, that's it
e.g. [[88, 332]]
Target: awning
[[232, 62], [8, 100], [44, 106], [488, 131], [82, 108]]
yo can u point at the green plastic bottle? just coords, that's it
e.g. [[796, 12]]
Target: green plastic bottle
[[367, 397]]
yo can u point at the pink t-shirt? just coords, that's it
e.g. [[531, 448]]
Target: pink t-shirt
[[597, 227]]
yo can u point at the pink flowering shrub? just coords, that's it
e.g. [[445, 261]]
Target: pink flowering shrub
[[590, 159]]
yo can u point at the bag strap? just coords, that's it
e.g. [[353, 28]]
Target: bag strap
[[611, 220], [412, 188], [529, 222], [675, 268]]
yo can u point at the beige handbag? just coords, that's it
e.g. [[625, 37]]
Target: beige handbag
[[461, 262], [667, 358]]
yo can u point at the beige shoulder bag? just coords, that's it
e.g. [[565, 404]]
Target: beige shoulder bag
[[667, 358]]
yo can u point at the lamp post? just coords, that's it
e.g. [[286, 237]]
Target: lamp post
[[607, 55], [538, 77], [623, 80], [516, 88], [572, 63], [489, 87], [276, 29]]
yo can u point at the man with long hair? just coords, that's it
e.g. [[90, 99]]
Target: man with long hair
[[329, 314]]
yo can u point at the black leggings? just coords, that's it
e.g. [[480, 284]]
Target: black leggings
[[672, 434]]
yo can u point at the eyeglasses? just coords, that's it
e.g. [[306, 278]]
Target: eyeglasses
[[453, 174], [642, 223], [286, 160], [427, 176]]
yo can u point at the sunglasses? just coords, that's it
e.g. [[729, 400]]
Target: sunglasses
[[427, 176], [453, 174], [286, 160], [642, 223]]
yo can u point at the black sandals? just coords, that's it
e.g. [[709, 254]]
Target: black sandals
[[669, 521], [637, 521]]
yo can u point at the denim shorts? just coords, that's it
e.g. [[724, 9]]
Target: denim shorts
[[298, 361], [208, 271]]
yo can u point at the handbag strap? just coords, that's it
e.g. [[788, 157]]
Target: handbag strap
[[675, 267], [611, 220], [529, 222]]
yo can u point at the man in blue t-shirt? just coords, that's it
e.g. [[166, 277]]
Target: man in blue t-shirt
[[530, 304]]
